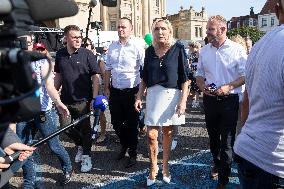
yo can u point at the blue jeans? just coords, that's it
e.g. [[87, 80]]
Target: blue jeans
[[46, 125], [252, 177]]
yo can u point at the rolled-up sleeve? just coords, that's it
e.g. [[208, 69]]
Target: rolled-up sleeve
[[141, 56], [108, 65], [242, 62], [200, 69]]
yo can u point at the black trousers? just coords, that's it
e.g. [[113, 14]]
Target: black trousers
[[124, 118], [221, 115], [81, 133]]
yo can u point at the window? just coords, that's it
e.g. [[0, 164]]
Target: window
[[250, 22], [238, 24], [200, 32], [112, 26], [264, 22], [272, 21], [196, 31]]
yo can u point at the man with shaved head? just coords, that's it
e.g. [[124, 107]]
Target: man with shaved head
[[259, 147], [221, 64]]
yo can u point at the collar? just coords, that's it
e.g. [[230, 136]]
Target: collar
[[76, 51], [129, 42], [224, 45]]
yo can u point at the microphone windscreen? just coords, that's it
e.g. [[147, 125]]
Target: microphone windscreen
[[52, 9], [100, 102]]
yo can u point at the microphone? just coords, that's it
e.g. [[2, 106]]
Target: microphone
[[52, 9], [100, 102], [44, 9], [99, 105], [5, 7]]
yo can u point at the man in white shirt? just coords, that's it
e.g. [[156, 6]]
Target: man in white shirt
[[124, 59], [221, 63], [259, 147]]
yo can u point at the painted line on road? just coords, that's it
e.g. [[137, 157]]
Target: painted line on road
[[195, 166]]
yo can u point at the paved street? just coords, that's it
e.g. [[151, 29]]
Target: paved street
[[190, 163]]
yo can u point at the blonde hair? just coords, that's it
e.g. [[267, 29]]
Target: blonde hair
[[239, 39], [219, 19], [171, 40]]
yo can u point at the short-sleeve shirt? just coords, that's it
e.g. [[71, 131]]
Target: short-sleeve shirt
[[45, 100], [169, 71], [76, 71]]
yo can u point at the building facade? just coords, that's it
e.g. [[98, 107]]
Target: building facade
[[250, 20], [141, 12], [267, 18], [189, 24]]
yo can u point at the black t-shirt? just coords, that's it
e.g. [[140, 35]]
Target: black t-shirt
[[76, 71], [170, 71]]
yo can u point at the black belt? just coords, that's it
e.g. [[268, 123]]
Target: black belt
[[223, 97], [126, 90]]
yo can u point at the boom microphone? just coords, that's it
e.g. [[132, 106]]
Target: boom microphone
[[52, 9], [43, 9]]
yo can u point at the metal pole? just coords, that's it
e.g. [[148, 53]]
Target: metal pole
[[88, 24]]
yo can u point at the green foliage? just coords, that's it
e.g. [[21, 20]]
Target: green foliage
[[252, 32]]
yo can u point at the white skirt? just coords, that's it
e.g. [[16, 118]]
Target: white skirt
[[161, 104]]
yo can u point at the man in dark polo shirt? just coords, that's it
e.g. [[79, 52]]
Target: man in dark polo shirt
[[76, 70]]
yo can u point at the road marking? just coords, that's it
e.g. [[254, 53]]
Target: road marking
[[191, 172]]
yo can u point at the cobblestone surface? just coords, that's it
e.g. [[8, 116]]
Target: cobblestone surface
[[192, 137]]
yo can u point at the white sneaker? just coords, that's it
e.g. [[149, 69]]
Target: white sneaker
[[86, 164], [174, 144], [78, 157]]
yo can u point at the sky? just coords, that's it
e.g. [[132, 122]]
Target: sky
[[226, 8]]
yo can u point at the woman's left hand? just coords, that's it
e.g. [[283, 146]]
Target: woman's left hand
[[181, 108]]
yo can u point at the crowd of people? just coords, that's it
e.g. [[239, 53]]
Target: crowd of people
[[247, 91]]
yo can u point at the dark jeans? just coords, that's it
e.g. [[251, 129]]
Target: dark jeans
[[221, 114], [124, 118], [252, 177], [26, 132], [81, 133]]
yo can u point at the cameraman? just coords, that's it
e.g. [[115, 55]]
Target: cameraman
[[46, 122]]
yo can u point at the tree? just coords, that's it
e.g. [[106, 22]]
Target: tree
[[254, 33]]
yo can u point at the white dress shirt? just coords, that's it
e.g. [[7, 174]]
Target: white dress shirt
[[223, 65], [124, 62]]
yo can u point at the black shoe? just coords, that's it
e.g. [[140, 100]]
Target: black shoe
[[131, 161], [66, 177], [221, 186], [214, 172], [121, 154]]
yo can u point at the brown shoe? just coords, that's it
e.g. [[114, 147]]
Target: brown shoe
[[214, 172]]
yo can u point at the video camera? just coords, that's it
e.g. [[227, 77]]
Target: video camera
[[19, 96]]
